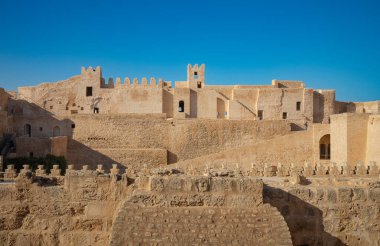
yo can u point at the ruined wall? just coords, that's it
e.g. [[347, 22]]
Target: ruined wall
[[342, 212], [39, 211], [181, 209], [222, 206]]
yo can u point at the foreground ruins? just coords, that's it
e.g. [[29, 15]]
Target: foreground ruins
[[183, 163]]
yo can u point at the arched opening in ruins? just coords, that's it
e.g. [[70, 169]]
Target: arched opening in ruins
[[56, 131], [181, 106], [28, 130], [324, 147], [221, 108]]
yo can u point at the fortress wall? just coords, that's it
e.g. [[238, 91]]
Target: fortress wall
[[59, 146], [289, 103], [307, 104], [274, 102], [364, 107], [323, 105], [247, 97], [339, 138], [182, 139], [236, 111], [134, 159], [340, 107], [226, 90], [40, 147], [339, 213], [131, 140], [356, 137], [373, 138], [270, 101], [212, 226], [293, 148], [179, 209], [41, 125], [120, 131], [3, 123], [136, 100], [287, 84], [194, 138], [349, 138], [53, 215], [167, 103], [4, 97], [181, 94], [207, 105]]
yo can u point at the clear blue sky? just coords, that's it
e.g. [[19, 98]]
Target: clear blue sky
[[332, 44]]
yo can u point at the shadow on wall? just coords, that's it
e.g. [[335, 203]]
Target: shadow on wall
[[318, 107], [304, 220], [172, 158], [80, 154], [41, 125]]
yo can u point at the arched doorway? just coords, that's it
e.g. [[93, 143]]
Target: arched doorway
[[28, 130], [324, 147], [221, 108], [56, 131]]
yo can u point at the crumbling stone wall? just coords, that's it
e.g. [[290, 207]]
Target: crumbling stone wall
[[213, 210], [40, 211], [328, 212]]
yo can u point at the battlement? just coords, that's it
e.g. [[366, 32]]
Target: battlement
[[91, 72], [135, 83], [159, 180]]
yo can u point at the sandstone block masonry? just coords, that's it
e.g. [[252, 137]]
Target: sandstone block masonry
[[168, 207]]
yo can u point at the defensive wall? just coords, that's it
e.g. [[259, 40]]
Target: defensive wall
[[161, 141], [218, 206]]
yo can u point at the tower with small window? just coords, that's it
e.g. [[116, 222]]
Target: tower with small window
[[196, 76]]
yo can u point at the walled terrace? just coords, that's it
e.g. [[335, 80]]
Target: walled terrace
[[320, 205]]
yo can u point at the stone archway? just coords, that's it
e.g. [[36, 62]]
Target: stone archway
[[324, 147]]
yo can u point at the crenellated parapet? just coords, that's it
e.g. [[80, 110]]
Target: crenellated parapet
[[91, 72], [134, 83], [306, 169]]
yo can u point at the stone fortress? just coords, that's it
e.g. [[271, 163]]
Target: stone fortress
[[184, 163]]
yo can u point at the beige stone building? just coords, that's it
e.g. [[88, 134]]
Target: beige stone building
[[135, 123], [184, 163]]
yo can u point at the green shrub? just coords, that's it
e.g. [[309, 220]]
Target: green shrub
[[48, 161]]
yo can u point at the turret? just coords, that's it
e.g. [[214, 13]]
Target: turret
[[196, 76]]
